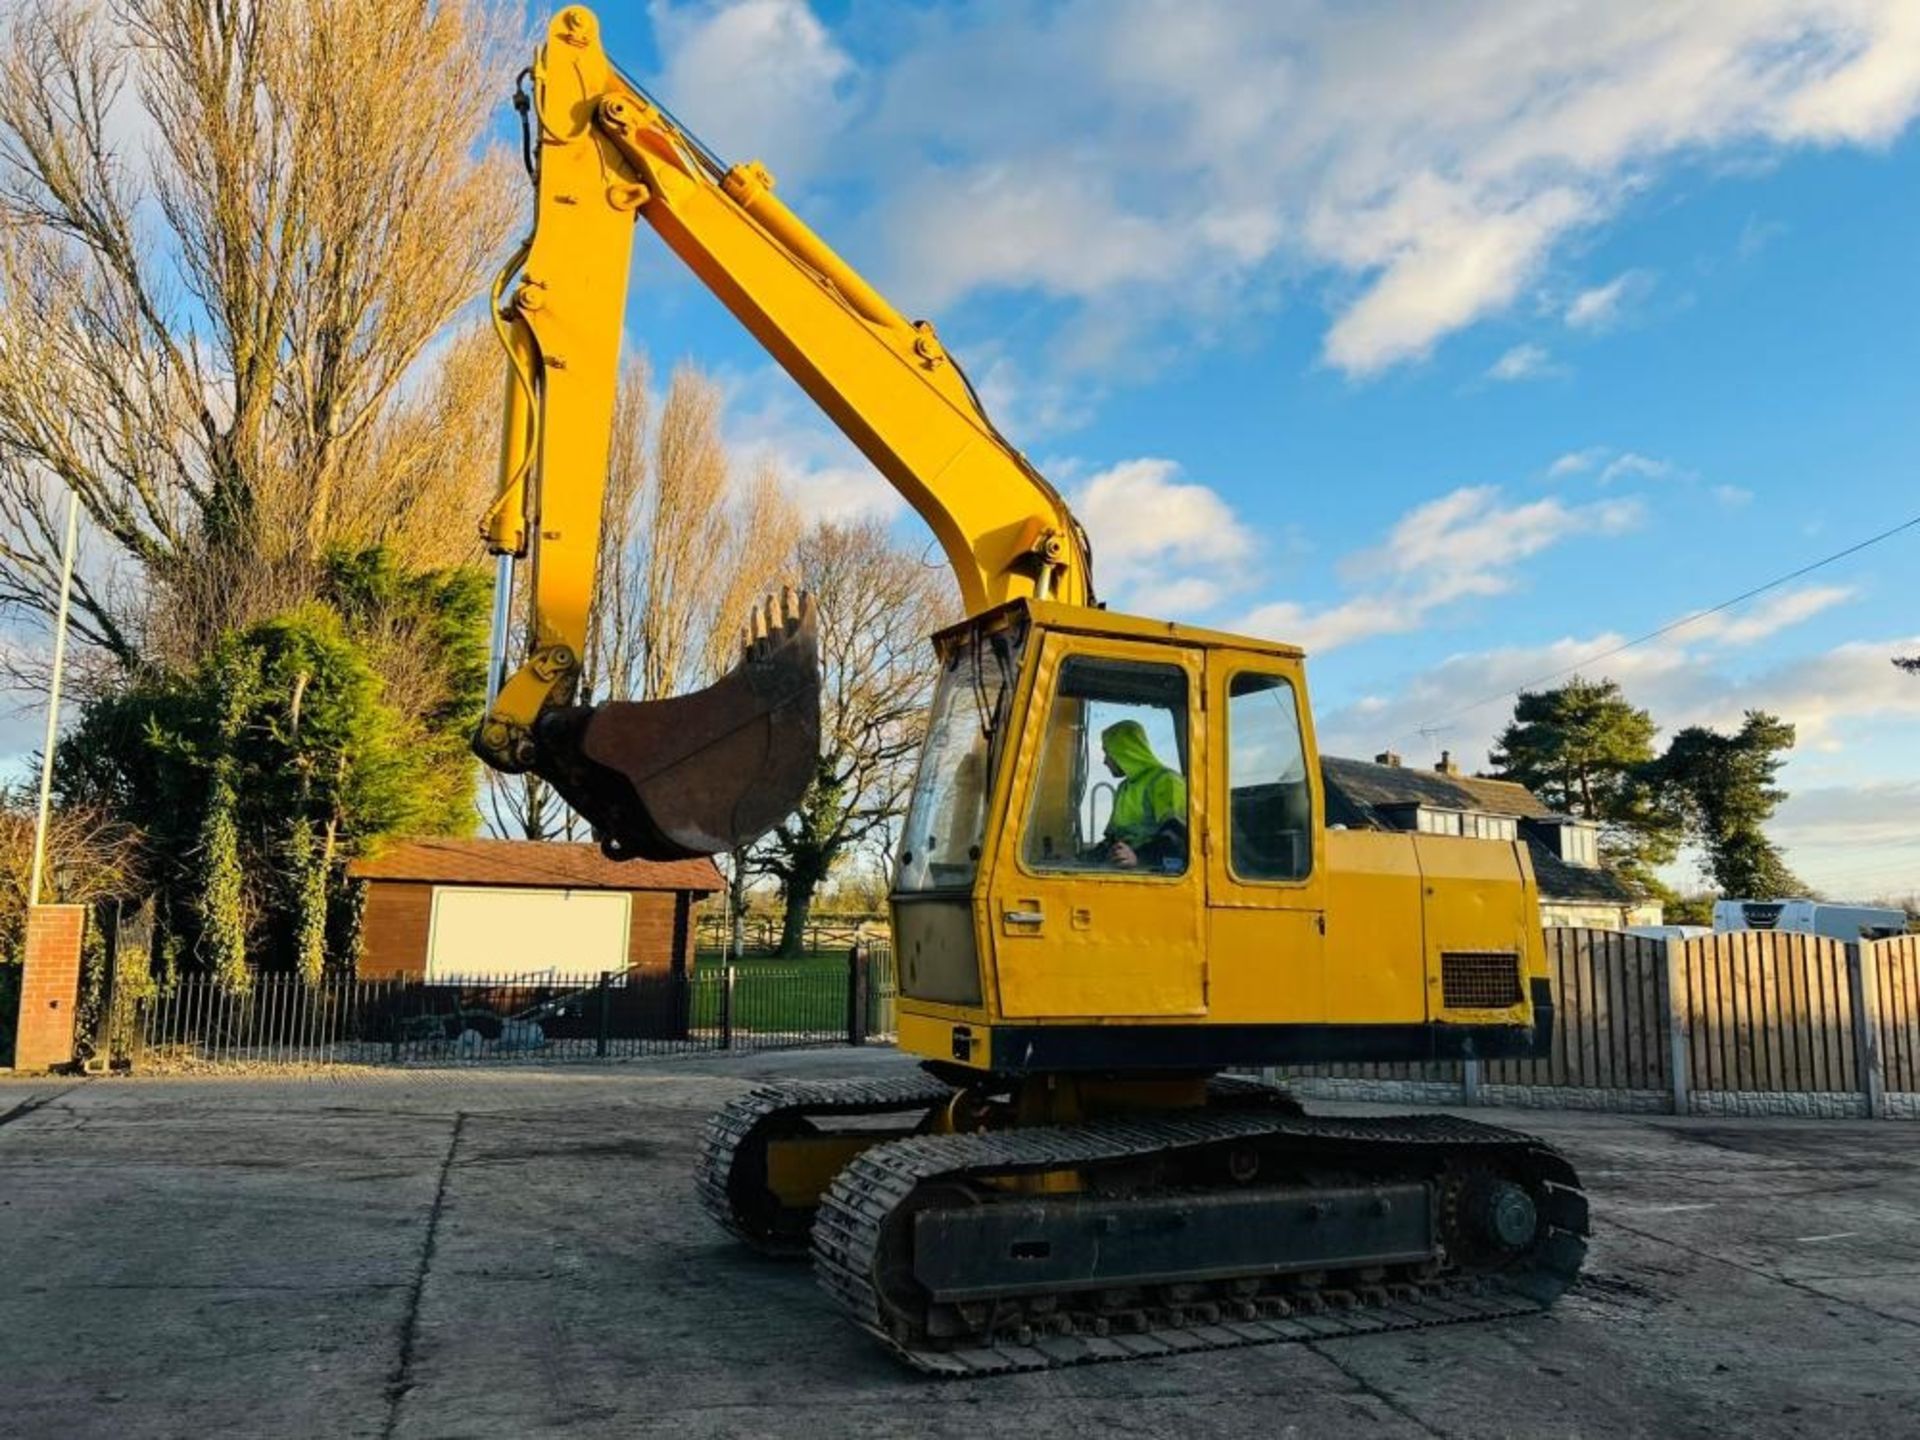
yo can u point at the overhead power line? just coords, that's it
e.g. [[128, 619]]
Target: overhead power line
[[1681, 623]]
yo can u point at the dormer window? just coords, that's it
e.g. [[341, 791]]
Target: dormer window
[[1573, 842], [1580, 844], [1434, 820]]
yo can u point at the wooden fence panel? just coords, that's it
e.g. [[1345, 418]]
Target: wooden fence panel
[[1609, 1030], [1897, 962], [1712, 1030], [1793, 1027], [1645, 1044], [1833, 958], [1769, 1012], [1594, 1069], [1567, 1015], [1764, 1012], [1746, 1073]]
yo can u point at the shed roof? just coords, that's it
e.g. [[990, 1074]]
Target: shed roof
[[553, 863]]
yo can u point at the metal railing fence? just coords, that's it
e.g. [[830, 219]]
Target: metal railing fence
[[282, 1020]]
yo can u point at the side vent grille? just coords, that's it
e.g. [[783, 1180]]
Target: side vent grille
[[1479, 979]]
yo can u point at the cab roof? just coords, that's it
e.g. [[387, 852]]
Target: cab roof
[[1088, 620]]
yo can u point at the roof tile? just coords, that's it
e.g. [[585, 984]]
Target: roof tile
[[1369, 784]]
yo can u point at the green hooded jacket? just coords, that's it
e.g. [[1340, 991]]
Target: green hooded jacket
[[1149, 793]]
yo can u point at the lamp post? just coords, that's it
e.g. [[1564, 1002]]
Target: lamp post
[[53, 699]]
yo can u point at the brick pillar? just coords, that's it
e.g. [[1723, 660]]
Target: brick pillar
[[49, 987]]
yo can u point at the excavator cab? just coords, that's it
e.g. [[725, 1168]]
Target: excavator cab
[[1117, 860]]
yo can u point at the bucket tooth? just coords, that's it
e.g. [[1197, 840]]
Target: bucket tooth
[[702, 773]]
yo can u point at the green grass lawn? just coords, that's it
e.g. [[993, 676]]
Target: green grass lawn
[[806, 993]]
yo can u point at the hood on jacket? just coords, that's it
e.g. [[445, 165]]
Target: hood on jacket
[[1125, 741]]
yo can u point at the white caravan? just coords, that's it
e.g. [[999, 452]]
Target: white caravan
[[1810, 917]]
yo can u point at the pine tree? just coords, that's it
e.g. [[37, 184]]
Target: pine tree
[[1585, 750], [1724, 785]]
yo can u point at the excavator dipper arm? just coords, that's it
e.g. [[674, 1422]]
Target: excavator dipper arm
[[736, 757]]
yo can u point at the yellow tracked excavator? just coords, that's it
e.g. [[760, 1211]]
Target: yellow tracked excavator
[[1116, 884]]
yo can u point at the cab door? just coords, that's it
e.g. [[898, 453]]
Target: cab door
[[1265, 852], [1082, 929]]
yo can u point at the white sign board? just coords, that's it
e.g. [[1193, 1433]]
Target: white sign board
[[509, 934]]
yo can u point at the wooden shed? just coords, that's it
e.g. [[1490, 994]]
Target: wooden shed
[[443, 909]]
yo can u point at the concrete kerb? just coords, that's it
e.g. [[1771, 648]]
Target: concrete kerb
[[1824, 1105]]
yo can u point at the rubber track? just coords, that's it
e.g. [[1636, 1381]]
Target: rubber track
[[730, 1127], [847, 1231]]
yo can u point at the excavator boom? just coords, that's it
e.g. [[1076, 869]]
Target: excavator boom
[[708, 772]]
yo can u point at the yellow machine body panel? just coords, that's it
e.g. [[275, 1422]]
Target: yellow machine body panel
[[1072, 941], [1248, 932]]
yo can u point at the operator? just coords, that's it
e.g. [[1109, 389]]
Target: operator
[[1148, 826]]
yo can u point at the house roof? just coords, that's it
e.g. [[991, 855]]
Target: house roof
[[549, 863], [1357, 790], [1367, 785], [1560, 881]]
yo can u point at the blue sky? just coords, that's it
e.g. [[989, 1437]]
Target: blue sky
[[1457, 342]]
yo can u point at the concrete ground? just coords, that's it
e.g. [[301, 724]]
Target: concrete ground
[[517, 1252]]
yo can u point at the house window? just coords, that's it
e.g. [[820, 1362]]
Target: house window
[[1580, 845], [1491, 827]]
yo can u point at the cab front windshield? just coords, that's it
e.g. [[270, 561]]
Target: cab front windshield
[[947, 817]]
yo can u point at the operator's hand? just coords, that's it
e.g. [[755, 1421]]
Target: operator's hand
[[1122, 855]]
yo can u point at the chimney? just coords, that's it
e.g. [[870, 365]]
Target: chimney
[[1447, 765], [1387, 757]]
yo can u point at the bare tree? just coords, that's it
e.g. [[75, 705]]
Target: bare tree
[[877, 606], [686, 544], [214, 344], [90, 856]]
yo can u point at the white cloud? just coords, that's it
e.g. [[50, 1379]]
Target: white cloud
[[1600, 308], [754, 78], [1164, 545], [1522, 362], [1854, 842], [1464, 544], [1010, 226], [1775, 613], [1878, 813], [1576, 462], [1732, 496], [1168, 161], [1442, 261], [1631, 466], [1469, 532]]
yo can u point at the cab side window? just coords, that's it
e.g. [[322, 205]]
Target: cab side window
[[1110, 789], [1269, 802]]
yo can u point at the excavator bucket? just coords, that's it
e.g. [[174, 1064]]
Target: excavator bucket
[[702, 773]]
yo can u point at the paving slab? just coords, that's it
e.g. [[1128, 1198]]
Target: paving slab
[[515, 1250]]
